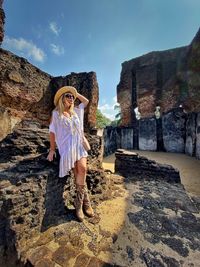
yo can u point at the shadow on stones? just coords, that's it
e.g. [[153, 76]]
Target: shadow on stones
[[44, 174], [31, 201], [56, 210], [166, 216]]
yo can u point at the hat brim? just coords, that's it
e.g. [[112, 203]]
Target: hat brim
[[63, 90]]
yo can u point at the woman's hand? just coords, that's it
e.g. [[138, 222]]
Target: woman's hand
[[83, 99], [52, 147], [51, 154]]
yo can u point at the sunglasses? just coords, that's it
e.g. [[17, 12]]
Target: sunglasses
[[69, 96]]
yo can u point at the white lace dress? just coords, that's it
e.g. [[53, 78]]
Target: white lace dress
[[68, 138]]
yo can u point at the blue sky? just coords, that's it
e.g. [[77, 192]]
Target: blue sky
[[67, 36]]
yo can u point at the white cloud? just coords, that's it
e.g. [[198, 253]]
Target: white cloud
[[26, 48], [106, 107], [115, 99], [56, 49], [109, 116], [54, 28], [109, 110]]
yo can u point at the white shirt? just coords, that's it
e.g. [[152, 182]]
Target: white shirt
[[68, 136]]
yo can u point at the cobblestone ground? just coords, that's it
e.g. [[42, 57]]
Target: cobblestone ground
[[146, 223]]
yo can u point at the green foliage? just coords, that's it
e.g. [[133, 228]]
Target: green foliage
[[118, 119], [115, 123], [101, 120]]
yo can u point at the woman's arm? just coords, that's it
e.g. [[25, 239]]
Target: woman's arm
[[52, 141], [83, 99], [52, 146]]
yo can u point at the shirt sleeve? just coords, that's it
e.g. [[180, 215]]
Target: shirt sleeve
[[52, 126]]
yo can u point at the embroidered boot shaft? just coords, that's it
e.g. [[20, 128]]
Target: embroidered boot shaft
[[87, 204], [78, 203]]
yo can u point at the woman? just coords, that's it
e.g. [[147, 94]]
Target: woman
[[66, 131]]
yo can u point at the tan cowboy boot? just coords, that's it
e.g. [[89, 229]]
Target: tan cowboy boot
[[86, 203], [78, 203]]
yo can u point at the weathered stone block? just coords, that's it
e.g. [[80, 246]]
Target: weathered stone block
[[190, 134], [173, 125], [198, 136], [147, 134], [120, 137], [111, 138], [133, 166], [15, 77], [127, 138]]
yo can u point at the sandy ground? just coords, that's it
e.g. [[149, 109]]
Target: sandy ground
[[188, 167]]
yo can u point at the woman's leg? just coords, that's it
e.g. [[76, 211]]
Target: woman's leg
[[81, 170], [80, 174], [82, 198]]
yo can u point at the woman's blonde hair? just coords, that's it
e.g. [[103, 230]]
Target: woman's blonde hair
[[61, 107]]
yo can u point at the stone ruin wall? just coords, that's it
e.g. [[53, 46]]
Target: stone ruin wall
[[176, 131], [167, 79], [22, 87], [26, 93], [146, 76], [86, 84]]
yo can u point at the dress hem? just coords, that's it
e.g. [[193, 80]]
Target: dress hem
[[73, 166]]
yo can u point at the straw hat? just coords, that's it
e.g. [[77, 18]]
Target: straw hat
[[63, 90]]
